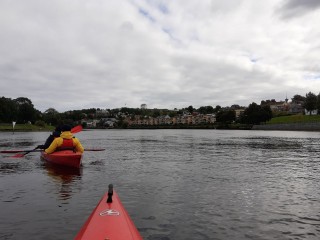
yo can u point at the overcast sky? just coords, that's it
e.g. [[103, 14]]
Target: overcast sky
[[80, 54]]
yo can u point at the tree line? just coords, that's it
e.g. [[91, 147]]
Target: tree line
[[21, 110]]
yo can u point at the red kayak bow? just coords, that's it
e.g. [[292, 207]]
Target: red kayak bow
[[109, 220]]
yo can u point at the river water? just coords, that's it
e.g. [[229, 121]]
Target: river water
[[175, 184]]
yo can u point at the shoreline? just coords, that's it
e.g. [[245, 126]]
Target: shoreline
[[310, 126], [25, 128]]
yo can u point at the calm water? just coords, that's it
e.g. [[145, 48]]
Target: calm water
[[175, 184]]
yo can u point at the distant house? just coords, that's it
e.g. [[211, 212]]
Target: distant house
[[91, 123], [209, 118], [108, 122], [296, 107], [279, 106], [102, 113]]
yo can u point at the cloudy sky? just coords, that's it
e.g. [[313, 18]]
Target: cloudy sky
[[80, 54]]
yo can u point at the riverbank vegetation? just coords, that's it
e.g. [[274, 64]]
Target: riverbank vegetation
[[25, 127], [22, 112]]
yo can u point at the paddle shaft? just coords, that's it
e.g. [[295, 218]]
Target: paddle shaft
[[19, 155], [19, 151], [39, 150]]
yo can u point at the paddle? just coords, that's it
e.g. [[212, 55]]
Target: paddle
[[76, 129], [19, 155], [17, 151], [94, 149], [39, 150]]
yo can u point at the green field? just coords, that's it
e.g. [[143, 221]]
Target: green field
[[295, 119], [25, 127]]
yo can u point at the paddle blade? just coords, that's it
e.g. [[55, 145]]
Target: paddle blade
[[76, 129], [19, 155]]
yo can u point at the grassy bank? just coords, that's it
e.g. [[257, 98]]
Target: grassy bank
[[25, 128], [294, 119]]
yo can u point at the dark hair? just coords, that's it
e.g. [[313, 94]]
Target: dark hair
[[58, 129], [65, 128]]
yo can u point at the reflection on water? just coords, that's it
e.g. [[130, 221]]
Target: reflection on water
[[175, 184], [64, 177], [6, 168], [18, 144], [9, 165]]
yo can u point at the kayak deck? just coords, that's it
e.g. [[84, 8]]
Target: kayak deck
[[65, 158], [109, 221]]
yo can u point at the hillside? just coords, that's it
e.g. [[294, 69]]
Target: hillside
[[295, 119]]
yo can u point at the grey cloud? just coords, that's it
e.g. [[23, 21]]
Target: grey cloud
[[296, 8], [105, 55], [307, 4]]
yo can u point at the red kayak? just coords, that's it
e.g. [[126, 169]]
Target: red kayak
[[109, 220], [66, 158]]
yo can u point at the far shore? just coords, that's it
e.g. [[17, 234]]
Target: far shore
[[25, 128], [301, 126]]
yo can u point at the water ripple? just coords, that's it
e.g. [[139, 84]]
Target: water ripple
[[180, 184]]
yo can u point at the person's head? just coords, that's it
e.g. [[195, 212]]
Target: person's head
[[58, 128], [65, 128]]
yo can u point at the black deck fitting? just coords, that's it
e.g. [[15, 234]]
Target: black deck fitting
[[110, 193]]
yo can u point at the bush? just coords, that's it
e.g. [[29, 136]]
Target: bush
[[40, 123]]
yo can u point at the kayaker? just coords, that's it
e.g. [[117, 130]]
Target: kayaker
[[55, 134], [65, 141]]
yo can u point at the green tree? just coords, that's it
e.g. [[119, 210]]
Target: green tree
[[318, 103], [226, 116], [26, 110], [255, 114], [267, 113], [156, 113], [310, 103], [52, 117], [206, 110], [172, 114], [40, 123], [8, 110], [217, 109], [298, 99], [190, 109]]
